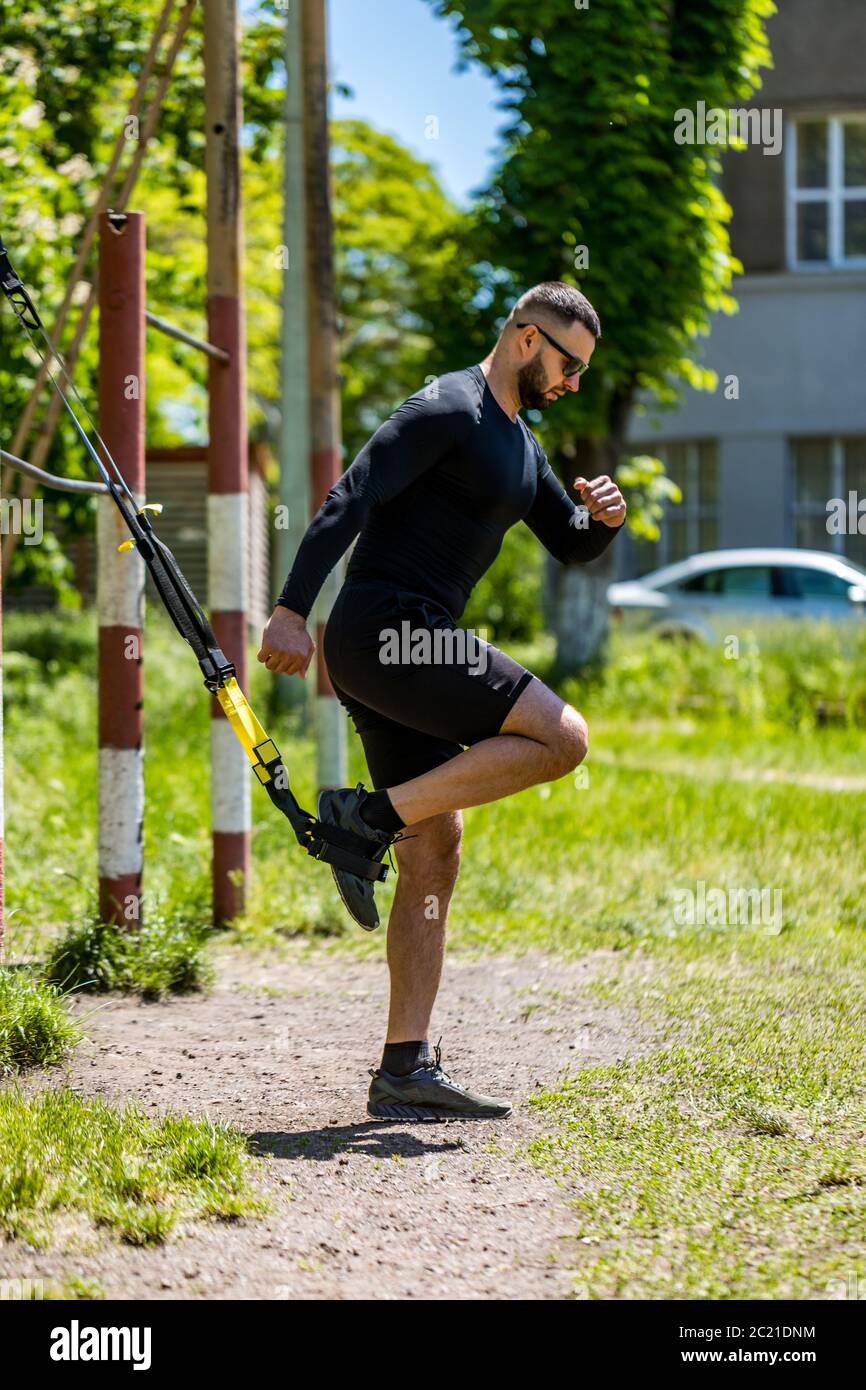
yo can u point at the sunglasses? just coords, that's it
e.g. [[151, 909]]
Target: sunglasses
[[574, 366]]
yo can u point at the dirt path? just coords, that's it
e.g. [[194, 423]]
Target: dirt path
[[361, 1208]]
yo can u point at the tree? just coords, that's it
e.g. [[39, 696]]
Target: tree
[[593, 189]]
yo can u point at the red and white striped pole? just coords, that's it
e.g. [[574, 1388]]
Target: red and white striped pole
[[2, 811], [231, 808], [120, 577]]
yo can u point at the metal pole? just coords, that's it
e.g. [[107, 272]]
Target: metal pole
[[227, 451], [163, 326], [294, 378], [78, 485], [2, 802], [120, 577], [325, 460]]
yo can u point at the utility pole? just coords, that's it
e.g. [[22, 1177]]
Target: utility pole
[[294, 375], [228, 522], [325, 423]]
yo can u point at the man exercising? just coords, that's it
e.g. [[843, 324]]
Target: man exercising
[[430, 497]]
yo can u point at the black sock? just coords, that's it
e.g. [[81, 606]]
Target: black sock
[[378, 812], [402, 1057]]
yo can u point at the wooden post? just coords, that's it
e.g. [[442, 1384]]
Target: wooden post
[[227, 450], [2, 802], [120, 577], [325, 423], [294, 379]]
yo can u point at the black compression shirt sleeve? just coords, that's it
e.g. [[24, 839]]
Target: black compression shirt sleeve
[[416, 436], [556, 521]]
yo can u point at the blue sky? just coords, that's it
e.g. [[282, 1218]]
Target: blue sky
[[399, 60]]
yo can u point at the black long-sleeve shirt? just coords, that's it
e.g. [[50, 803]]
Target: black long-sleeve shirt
[[431, 495]]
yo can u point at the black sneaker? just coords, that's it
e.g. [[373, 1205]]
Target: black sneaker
[[429, 1093], [340, 806]]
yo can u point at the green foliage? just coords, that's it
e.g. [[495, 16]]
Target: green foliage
[[408, 283], [35, 1027], [646, 488], [163, 956], [56, 642], [132, 1175], [787, 675], [590, 161], [507, 600]]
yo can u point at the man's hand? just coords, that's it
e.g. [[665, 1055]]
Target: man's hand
[[287, 647], [602, 499]]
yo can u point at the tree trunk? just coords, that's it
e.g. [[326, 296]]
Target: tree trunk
[[576, 595], [578, 604]]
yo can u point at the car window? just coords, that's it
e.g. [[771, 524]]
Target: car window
[[799, 582], [753, 580], [710, 582]]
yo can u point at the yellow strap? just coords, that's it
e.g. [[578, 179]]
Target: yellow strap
[[236, 708]]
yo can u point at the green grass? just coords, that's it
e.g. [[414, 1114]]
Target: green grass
[[163, 956], [729, 1162], [61, 1156], [51, 784], [726, 1160], [609, 856], [35, 1027]]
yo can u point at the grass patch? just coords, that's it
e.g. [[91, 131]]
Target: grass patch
[[35, 1027], [134, 1176], [163, 956], [730, 1163]]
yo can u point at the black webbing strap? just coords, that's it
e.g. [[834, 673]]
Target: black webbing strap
[[13, 287], [183, 607], [330, 843]]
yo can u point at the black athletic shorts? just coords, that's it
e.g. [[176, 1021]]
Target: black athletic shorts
[[413, 715]]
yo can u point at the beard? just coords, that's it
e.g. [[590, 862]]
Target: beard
[[532, 386]]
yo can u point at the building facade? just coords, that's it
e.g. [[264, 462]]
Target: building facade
[[760, 459]]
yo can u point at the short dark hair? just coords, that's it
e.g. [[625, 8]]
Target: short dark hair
[[554, 299]]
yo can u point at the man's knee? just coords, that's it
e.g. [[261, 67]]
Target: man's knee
[[571, 743], [432, 847]]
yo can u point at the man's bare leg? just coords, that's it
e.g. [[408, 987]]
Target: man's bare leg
[[428, 865], [541, 739]]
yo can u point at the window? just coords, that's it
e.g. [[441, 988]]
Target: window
[[826, 469], [710, 582], [806, 583], [826, 178], [733, 582], [690, 526], [753, 580]]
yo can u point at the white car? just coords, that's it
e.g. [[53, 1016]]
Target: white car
[[698, 597]]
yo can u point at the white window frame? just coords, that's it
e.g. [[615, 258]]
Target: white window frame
[[691, 511], [835, 194], [838, 488]]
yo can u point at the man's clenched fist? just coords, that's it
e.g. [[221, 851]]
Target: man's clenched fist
[[602, 499], [287, 647]]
